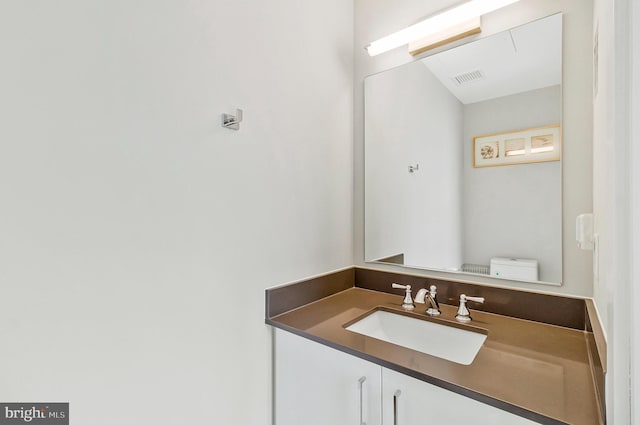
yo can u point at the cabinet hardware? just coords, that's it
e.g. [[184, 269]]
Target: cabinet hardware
[[396, 396], [361, 382]]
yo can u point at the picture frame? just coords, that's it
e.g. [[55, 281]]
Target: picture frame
[[538, 144]]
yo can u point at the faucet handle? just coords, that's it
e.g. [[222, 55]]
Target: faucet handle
[[479, 300], [463, 312], [407, 303], [433, 290], [434, 306]]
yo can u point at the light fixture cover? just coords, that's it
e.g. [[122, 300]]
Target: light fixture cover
[[451, 34], [437, 23]]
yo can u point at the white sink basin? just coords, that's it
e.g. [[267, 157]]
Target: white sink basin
[[446, 342]]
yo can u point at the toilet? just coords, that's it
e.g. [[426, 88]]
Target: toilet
[[514, 268]]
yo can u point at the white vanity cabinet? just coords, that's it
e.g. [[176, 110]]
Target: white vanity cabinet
[[317, 385], [409, 401]]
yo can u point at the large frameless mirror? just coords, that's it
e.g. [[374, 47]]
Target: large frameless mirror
[[463, 169]]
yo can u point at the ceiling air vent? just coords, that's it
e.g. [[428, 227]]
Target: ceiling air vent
[[468, 77]]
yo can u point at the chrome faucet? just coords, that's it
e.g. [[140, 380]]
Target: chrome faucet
[[407, 303], [463, 312], [429, 297]]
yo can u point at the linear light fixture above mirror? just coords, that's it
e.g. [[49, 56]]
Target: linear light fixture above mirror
[[447, 36], [450, 25]]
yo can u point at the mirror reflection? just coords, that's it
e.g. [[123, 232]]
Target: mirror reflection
[[463, 165]]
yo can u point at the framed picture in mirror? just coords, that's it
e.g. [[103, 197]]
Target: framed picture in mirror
[[540, 144]]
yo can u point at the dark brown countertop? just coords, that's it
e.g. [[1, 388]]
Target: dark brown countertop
[[535, 370]]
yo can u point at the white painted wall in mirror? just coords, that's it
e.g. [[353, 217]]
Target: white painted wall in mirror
[[415, 214], [515, 210]]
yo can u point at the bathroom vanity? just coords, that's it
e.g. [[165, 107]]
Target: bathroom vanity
[[541, 361]]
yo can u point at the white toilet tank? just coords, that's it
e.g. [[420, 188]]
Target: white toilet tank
[[514, 268]]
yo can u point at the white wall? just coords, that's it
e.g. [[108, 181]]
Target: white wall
[[516, 210], [634, 53], [374, 19], [136, 234], [616, 197], [410, 113]]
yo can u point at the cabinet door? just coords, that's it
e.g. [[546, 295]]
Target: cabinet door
[[317, 385], [408, 401]]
